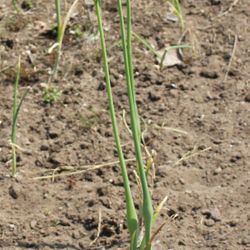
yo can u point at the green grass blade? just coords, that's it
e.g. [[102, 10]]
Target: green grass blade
[[14, 103], [20, 104], [59, 37], [145, 43], [147, 203], [131, 212], [15, 110]]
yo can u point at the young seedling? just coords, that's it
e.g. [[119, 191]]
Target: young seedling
[[15, 111], [61, 27], [146, 211], [15, 5], [77, 31], [51, 94]]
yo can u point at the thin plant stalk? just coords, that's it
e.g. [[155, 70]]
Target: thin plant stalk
[[15, 111], [130, 59], [58, 19], [147, 208], [61, 26], [59, 36], [131, 212], [129, 45], [14, 120]]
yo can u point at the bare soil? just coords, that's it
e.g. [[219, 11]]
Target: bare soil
[[197, 116]]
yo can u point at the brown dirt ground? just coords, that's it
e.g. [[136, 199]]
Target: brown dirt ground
[[208, 193]]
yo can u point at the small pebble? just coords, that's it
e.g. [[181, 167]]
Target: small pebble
[[171, 86], [171, 17], [76, 235], [12, 227], [181, 180], [33, 224], [64, 223], [209, 223], [217, 170], [215, 214]]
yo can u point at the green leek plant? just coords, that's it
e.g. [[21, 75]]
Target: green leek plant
[[130, 207], [147, 214], [15, 111]]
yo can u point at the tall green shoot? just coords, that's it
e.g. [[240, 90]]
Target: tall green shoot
[[147, 208], [15, 111]]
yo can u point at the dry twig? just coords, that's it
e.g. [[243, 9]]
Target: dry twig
[[99, 227]]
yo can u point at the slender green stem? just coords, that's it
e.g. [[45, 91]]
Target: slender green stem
[[147, 203], [14, 104], [58, 39], [130, 60], [131, 212], [15, 111], [58, 19], [14, 119], [129, 44], [13, 156]]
